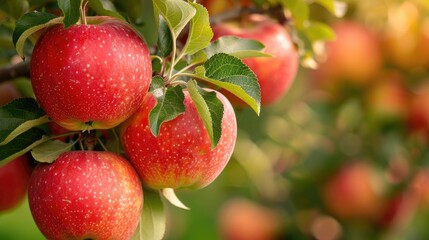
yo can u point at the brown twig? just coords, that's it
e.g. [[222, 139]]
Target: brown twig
[[13, 71]]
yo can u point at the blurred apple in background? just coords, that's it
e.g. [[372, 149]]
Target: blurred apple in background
[[353, 192], [275, 74], [243, 219], [388, 99], [14, 178], [352, 59]]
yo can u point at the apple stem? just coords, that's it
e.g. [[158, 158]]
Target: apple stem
[[89, 140], [83, 8]]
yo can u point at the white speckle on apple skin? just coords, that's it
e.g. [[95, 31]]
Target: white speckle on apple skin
[[97, 194], [181, 155], [67, 67]]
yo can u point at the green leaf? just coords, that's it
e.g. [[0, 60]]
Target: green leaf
[[176, 13], [210, 109], [165, 40], [237, 47], [105, 8], [29, 24], [336, 8], [18, 117], [231, 74], [152, 219], [317, 31], [21, 144], [71, 10], [169, 104], [299, 9], [200, 32], [49, 151]]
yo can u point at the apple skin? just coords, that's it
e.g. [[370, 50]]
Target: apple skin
[[90, 76], [351, 193], [181, 155], [352, 59], [86, 195], [275, 74], [14, 177]]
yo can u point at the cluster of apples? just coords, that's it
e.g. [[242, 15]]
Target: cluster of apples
[[96, 76]]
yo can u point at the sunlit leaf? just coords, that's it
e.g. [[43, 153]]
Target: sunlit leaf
[[210, 109], [231, 74], [177, 14], [200, 32]]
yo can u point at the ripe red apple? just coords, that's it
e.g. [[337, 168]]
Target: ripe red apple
[[181, 155], [90, 76], [352, 59], [14, 177], [351, 193], [86, 195], [275, 74]]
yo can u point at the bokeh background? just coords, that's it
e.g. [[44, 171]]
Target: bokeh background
[[343, 155]]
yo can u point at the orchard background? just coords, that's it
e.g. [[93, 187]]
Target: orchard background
[[343, 154]]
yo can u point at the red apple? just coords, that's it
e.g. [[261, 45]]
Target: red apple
[[86, 195], [90, 76], [275, 74], [352, 59], [181, 155], [351, 193], [242, 219], [14, 177]]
